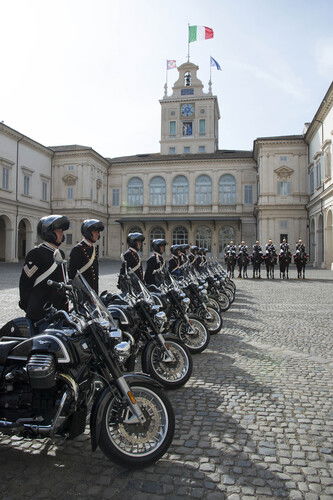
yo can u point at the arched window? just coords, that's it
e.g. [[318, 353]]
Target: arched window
[[227, 189], [203, 190], [227, 234], [135, 192], [204, 237], [156, 233], [180, 190], [157, 191], [179, 235]]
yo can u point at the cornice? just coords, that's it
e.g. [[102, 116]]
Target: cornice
[[323, 110], [10, 132], [60, 155]]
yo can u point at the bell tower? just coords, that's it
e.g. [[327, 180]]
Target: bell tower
[[189, 116]]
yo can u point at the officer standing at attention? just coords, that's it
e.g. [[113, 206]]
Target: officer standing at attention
[[242, 248], [270, 248], [84, 256], [300, 246], [39, 266], [155, 263], [230, 249], [175, 260], [131, 258]]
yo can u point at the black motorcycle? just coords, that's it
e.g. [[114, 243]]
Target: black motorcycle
[[164, 357], [188, 327], [47, 382]]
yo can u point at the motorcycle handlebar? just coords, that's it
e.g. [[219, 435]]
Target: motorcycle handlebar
[[59, 286]]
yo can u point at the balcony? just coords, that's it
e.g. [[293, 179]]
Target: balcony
[[227, 208], [179, 209], [203, 208], [132, 210], [156, 209]]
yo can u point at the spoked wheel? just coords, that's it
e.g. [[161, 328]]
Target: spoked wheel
[[132, 443], [224, 301], [172, 366], [214, 303], [215, 322], [230, 293], [194, 334]]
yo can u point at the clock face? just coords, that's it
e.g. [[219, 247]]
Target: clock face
[[187, 109]]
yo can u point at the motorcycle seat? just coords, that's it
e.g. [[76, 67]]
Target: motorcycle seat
[[5, 348]]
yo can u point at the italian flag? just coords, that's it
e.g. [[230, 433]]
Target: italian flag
[[196, 33]]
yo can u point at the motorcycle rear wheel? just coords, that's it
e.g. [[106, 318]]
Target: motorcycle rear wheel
[[171, 374], [136, 444]]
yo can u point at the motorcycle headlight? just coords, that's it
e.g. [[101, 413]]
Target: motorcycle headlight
[[186, 303], [182, 295], [204, 292], [160, 319], [217, 282], [123, 350]]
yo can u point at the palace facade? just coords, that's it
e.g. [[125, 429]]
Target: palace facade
[[191, 191]]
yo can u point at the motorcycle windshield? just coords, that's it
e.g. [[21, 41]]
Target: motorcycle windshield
[[89, 295], [138, 289]]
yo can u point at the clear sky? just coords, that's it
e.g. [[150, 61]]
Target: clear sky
[[92, 72]]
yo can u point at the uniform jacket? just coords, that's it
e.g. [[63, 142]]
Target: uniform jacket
[[79, 257], [174, 264], [270, 248], [243, 249], [155, 263], [230, 249], [133, 261], [257, 248], [33, 296]]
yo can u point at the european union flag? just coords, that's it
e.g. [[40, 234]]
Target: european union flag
[[213, 62]]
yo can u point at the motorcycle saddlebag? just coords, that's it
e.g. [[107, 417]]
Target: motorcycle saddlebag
[[18, 327]]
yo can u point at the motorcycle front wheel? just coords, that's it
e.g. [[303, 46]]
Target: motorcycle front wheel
[[215, 322], [171, 373], [194, 334], [136, 444]]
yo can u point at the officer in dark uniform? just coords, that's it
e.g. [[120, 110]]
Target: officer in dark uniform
[[270, 248], [84, 256], [242, 248], [175, 262], [194, 257], [230, 249], [203, 252], [184, 247], [257, 248], [131, 258], [300, 246], [284, 247], [155, 263], [39, 266]]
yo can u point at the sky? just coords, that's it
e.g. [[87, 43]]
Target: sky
[[92, 72]]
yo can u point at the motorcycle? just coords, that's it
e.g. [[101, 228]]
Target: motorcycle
[[48, 381], [188, 327], [164, 357]]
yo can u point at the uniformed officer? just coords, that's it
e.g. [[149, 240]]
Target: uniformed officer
[[300, 246], [284, 246], [202, 252], [39, 266], [270, 248], [257, 248], [174, 261], [155, 263], [84, 256], [230, 249], [194, 257], [184, 247], [131, 259], [242, 248]]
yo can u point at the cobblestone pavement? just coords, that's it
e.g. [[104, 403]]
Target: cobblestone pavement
[[254, 421]]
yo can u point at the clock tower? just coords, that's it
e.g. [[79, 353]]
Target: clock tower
[[189, 116]]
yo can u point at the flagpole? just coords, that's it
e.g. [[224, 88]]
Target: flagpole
[[210, 76], [166, 80], [188, 42]]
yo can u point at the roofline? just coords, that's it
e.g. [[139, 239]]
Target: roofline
[[322, 111], [18, 135], [78, 151], [276, 139], [157, 157]]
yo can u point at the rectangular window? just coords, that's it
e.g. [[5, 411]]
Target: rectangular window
[[283, 158], [172, 150], [283, 224], [311, 181], [70, 167], [5, 178], [284, 188], [69, 238], [70, 193], [172, 128], [202, 149], [248, 194], [115, 197], [44, 191], [318, 174], [187, 149], [187, 128], [202, 127], [26, 185], [282, 236]]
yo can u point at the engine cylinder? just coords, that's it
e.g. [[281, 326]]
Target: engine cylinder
[[42, 371]]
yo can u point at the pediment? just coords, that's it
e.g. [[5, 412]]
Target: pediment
[[284, 172], [69, 179]]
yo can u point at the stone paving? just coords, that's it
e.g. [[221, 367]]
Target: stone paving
[[254, 421]]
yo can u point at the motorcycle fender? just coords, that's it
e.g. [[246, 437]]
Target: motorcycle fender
[[103, 399]]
